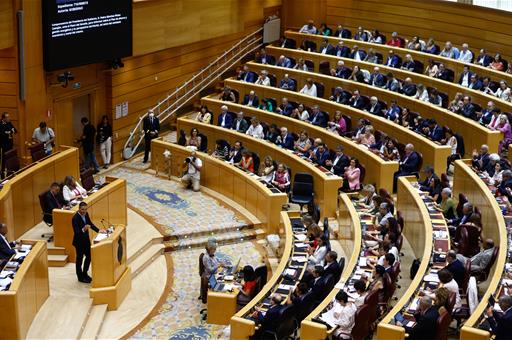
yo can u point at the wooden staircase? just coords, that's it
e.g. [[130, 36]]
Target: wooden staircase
[[56, 256]]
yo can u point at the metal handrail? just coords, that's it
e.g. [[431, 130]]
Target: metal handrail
[[182, 95]]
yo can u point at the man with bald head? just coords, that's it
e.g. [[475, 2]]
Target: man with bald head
[[481, 260], [426, 320], [6, 250], [409, 165], [269, 321]]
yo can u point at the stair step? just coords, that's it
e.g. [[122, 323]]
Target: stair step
[[94, 322], [145, 258], [57, 260], [211, 232], [52, 250], [223, 238]]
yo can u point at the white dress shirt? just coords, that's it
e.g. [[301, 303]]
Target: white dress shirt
[[70, 194], [265, 81], [255, 131], [465, 56], [309, 91]]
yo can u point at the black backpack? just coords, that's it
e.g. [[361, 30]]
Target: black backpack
[[414, 268]]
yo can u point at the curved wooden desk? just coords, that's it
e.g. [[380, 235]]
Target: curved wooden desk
[[451, 89], [28, 292], [105, 206], [229, 181], [433, 153], [378, 170], [325, 186], [466, 181], [474, 134], [430, 245], [19, 197], [351, 240], [456, 66], [243, 328]]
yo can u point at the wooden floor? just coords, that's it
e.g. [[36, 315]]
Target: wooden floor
[[69, 313]]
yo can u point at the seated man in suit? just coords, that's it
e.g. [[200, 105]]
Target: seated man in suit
[[284, 62], [375, 106], [225, 119], [475, 83], [481, 159], [433, 130], [285, 140], [429, 177], [270, 320], [468, 109], [426, 321], [251, 99], [486, 115], [331, 265], [442, 73], [6, 247], [465, 76], [455, 266], [409, 64], [318, 117], [467, 211], [342, 51], [263, 58], [240, 124], [465, 54], [309, 28], [81, 224], [480, 260], [340, 96], [341, 71], [356, 101], [392, 84], [316, 284], [285, 108], [286, 83], [408, 88], [408, 165], [52, 200], [339, 163], [377, 79], [320, 155], [342, 32], [247, 75], [235, 154], [357, 54], [483, 58], [501, 321], [392, 60], [326, 48]]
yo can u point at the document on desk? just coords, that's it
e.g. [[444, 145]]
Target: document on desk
[[26, 247], [290, 272], [5, 273], [431, 278], [328, 316], [100, 237], [301, 259], [362, 262], [286, 287], [300, 237], [5, 282]]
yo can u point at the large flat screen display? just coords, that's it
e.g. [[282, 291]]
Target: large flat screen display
[[80, 32]]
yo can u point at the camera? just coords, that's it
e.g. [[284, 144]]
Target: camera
[[187, 160]]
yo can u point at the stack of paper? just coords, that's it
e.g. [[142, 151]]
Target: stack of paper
[[299, 258], [431, 278], [300, 237], [362, 262], [26, 246], [290, 272]]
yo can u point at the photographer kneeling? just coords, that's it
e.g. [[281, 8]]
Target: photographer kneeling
[[192, 175]]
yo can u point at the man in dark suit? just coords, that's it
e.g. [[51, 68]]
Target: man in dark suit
[[481, 159], [151, 127], [375, 106], [465, 76], [467, 211], [356, 101], [288, 43], [240, 124], [81, 224], [341, 71], [317, 284], [52, 200], [326, 48], [430, 176], [320, 155], [340, 96], [225, 119], [7, 132], [285, 140], [408, 88], [286, 83], [468, 109], [389, 261], [88, 141], [426, 321], [486, 115], [501, 322], [357, 54], [442, 73], [285, 108], [339, 163], [392, 60], [377, 79], [331, 265], [392, 84], [318, 117], [342, 33], [408, 165], [409, 64], [251, 99], [235, 154], [247, 75], [475, 83], [483, 58], [6, 250], [342, 51], [455, 267], [270, 320], [284, 62]]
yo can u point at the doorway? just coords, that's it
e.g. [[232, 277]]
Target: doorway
[[68, 113]]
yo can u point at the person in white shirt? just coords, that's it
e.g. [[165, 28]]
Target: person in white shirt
[[317, 255], [503, 92], [255, 130], [309, 88], [302, 112], [72, 190], [309, 28], [421, 93], [44, 134], [446, 280], [263, 79], [193, 173], [361, 291], [341, 315], [465, 55]]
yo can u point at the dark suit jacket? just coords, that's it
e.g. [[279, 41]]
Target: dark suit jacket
[[237, 157], [319, 119], [468, 111], [339, 167], [287, 84], [243, 126], [486, 116], [255, 101], [362, 54], [444, 75], [321, 158], [426, 325], [318, 287], [288, 142], [379, 80], [343, 98], [149, 126], [330, 49], [477, 86], [343, 72], [80, 238], [228, 121], [357, 103], [286, 63], [271, 320], [51, 202], [409, 90], [462, 77], [333, 268], [89, 133], [425, 185], [376, 110], [487, 59], [457, 270], [286, 110], [248, 77], [437, 133], [485, 161], [343, 52], [345, 33], [501, 324], [410, 164], [409, 65], [6, 251], [392, 61]]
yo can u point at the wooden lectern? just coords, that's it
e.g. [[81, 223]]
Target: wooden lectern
[[111, 277]]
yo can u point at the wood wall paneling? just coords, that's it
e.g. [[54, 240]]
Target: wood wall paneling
[[7, 33]]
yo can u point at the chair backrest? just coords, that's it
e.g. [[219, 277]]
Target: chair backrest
[[182, 140], [491, 262], [302, 189], [303, 177], [362, 173], [450, 303], [326, 226], [87, 179], [256, 161], [11, 161], [396, 270], [384, 193], [341, 263], [201, 264], [399, 242], [316, 213], [443, 322], [288, 322], [37, 152], [320, 89], [310, 64], [204, 143], [361, 325], [372, 300], [462, 199], [261, 272], [400, 219], [324, 67], [467, 275], [47, 215], [307, 305]]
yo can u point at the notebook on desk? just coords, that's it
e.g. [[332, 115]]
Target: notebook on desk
[[215, 285]]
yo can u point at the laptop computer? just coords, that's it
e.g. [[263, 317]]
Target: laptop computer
[[215, 285], [232, 270]]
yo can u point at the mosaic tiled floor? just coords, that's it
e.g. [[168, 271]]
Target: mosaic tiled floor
[[176, 210], [179, 317]]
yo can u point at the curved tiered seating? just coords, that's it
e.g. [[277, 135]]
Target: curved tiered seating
[[325, 184], [241, 326], [450, 89], [433, 153], [474, 134], [436, 235], [467, 181], [456, 66], [382, 171], [351, 241]]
